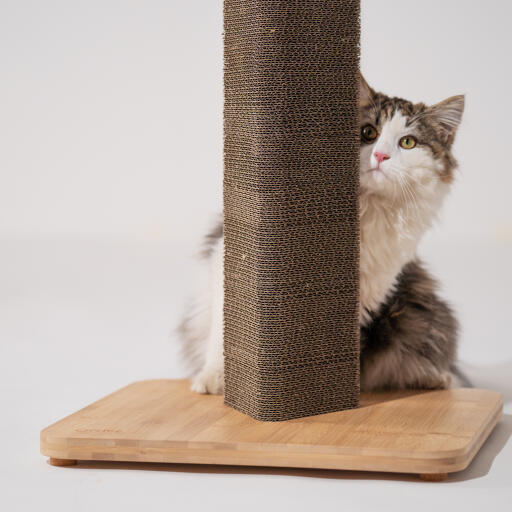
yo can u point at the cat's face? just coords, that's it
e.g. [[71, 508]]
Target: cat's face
[[406, 146]]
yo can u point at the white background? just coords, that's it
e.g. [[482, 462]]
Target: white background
[[110, 170]]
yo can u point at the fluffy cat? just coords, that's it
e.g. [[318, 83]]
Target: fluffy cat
[[408, 334]]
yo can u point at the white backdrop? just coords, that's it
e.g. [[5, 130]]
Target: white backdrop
[[111, 111], [110, 170]]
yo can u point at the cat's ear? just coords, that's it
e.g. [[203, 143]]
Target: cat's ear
[[448, 114], [365, 92]]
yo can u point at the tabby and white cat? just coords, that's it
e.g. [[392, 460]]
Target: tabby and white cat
[[408, 334]]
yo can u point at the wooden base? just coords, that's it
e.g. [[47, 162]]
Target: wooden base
[[430, 433]]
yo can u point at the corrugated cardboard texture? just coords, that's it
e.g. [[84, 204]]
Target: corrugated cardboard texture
[[291, 224]]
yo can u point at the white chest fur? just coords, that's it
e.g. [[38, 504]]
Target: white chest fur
[[390, 233]]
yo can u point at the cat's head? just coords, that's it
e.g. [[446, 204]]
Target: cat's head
[[404, 145]]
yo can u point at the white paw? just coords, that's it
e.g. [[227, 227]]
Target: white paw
[[442, 380], [209, 381]]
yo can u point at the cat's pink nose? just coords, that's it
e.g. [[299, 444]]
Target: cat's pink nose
[[380, 157]]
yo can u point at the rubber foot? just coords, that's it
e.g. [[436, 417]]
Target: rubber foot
[[433, 477], [62, 462]]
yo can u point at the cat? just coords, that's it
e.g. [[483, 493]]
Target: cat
[[408, 334]]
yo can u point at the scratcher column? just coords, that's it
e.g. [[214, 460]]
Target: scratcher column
[[291, 333]]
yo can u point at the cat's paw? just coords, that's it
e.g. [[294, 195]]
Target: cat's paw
[[446, 381], [442, 380], [209, 381]]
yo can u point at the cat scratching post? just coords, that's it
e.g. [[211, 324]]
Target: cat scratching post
[[291, 222], [291, 285]]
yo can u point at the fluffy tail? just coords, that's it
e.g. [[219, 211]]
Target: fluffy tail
[[459, 378]]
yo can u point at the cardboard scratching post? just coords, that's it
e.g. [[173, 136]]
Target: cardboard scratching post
[[291, 285], [291, 220]]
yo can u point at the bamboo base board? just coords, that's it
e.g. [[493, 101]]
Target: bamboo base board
[[431, 433]]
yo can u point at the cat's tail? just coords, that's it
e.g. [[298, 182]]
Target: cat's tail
[[459, 378]]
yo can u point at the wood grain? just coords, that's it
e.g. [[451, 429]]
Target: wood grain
[[432, 432]]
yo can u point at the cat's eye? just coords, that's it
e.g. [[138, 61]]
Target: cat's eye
[[368, 133], [407, 142]]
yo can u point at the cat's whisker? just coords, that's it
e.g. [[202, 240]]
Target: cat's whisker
[[404, 195], [410, 194], [413, 197]]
